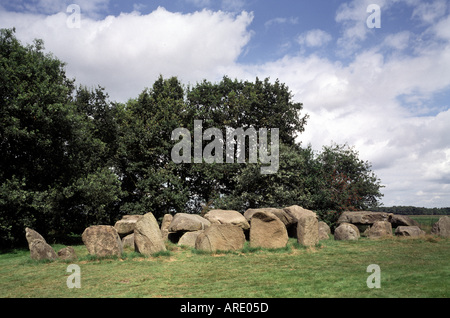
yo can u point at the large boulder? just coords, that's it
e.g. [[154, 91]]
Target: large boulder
[[128, 241], [32, 235], [442, 227], [324, 231], [189, 238], [102, 240], [167, 219], [295, 212], [188, 222], [147, 235], [126, 225], [227, 217], [39, 249], [284, 217], [346, 231], [221, 237], [266, 230], [379, 229], [308, 230], [402, 220], [363, 217], [412, 231], [67, 253]]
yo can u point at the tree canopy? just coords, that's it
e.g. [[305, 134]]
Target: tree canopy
[[72, 158]]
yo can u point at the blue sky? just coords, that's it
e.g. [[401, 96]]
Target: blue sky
[[385, 91]]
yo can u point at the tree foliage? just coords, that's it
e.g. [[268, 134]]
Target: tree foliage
[[54, 172], [71, 158], [412, 210], [150, 180], [347, 182]]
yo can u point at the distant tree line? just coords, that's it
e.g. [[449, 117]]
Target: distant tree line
[[412, 210], [72, 158]]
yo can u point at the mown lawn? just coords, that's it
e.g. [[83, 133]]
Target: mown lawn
[[409, 268]]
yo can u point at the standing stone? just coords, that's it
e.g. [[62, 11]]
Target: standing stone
[[379, 229], [102, 240], [40, 250], [413, 231], [442, 227], [308, 230], [32, 235], [167, 219], [296, 212], [324, 231], [221, 237], [147, 236], [346, 231], [266, 230]]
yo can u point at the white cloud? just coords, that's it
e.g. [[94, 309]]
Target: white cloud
[[139, 7], [314, 38], [280, 20], [430, 12], [442, 28], [353, 16], [126, 53], [361, 102], [398, 41], [233, 5]]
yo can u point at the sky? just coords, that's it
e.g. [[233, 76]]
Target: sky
[[374, 77]]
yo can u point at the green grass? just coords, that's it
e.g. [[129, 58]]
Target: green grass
[[409, 268], [426, 221]]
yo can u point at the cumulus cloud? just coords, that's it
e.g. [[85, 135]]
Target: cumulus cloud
[[362, 103], [126, 53], [430, 12], [314, 38], [376, 101], [281, 20], [353, 16], [232, 5], [398, 41], [442, 28]]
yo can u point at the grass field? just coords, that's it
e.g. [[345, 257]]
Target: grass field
[[426, 221], [409, 268]]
